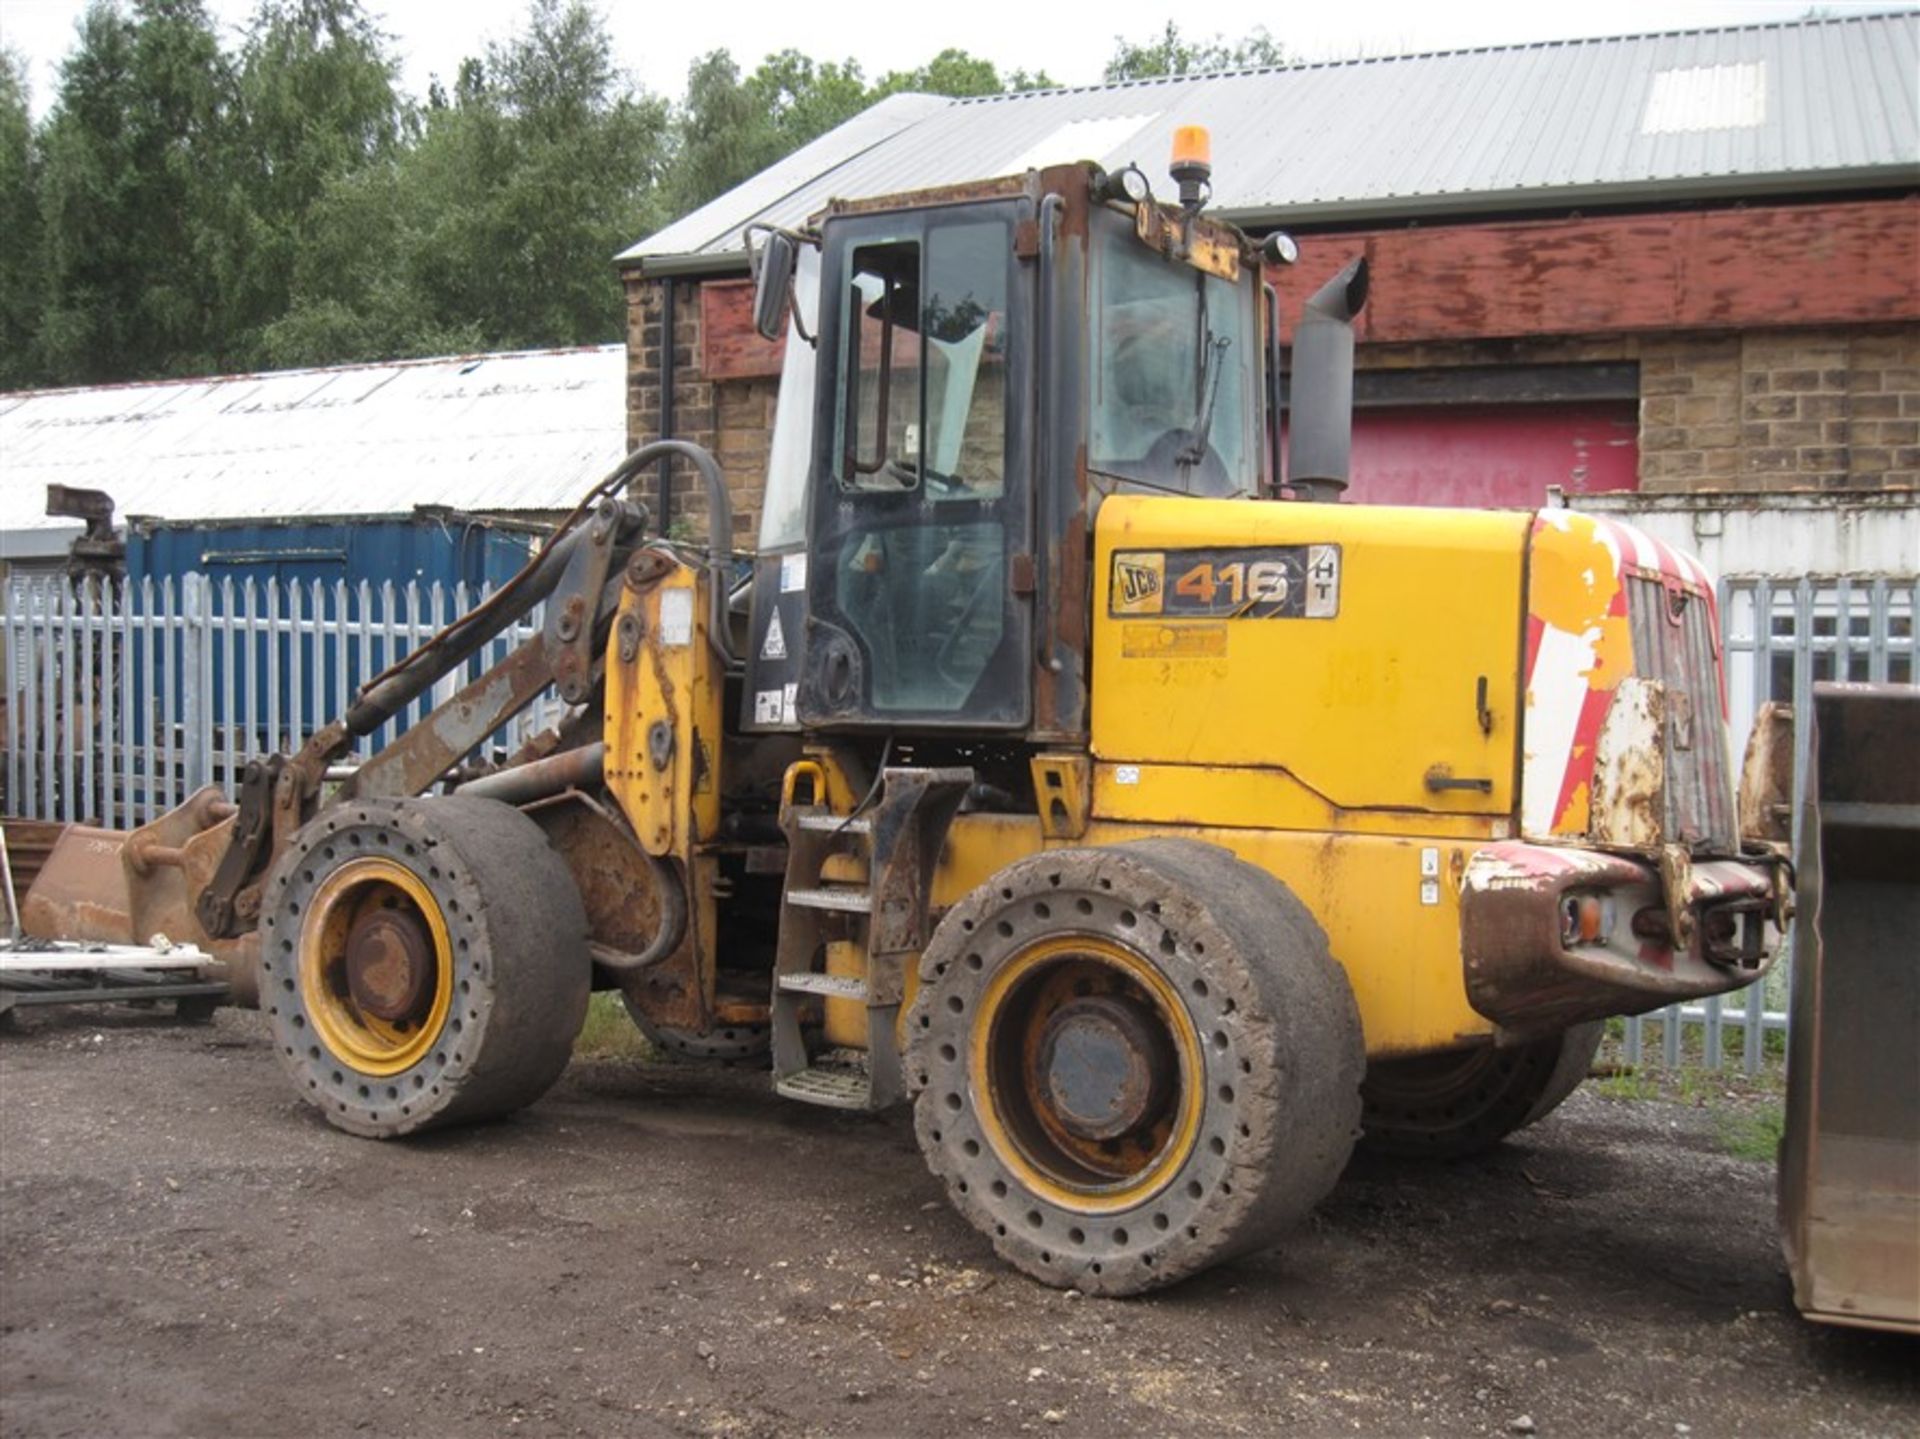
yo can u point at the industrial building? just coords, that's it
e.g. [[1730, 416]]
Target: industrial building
[[1676, 275]]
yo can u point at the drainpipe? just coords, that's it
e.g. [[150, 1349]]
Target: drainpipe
[[664, 509], [1320, 432]]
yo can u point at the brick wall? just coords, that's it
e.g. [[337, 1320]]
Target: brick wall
[[731, 418]]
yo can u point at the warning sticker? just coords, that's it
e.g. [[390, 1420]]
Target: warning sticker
[[1267, 582], [676, 617], [793, 573], [774, 647], [1142, 640], [766, 707]]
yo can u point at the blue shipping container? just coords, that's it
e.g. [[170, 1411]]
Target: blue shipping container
[[447, 549], [315, 570]]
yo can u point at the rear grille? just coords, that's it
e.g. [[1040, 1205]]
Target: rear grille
[[1673, 643]]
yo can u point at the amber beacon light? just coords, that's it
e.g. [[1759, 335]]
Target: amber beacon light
[[1192, 165]]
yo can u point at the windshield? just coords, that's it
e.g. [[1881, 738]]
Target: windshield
[[1173, 374]]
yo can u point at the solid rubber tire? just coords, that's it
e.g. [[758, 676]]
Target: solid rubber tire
[[521, 969], [1494, 1093], [1279, 1036], [723, 1044]]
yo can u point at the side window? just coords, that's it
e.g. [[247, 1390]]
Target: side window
[[877, 431]]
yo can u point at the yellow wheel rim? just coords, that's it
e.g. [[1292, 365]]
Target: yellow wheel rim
[[1079, 1174], [363, 892]]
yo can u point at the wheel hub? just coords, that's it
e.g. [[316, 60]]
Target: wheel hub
[[389, 964], [1103, 1067]]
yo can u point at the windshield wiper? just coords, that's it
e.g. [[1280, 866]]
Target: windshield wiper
[[1212, 362]]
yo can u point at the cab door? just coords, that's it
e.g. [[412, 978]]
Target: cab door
[[920, 492]]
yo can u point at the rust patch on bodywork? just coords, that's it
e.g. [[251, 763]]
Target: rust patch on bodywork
[[1628, 799], [1766, 777], [635, 911]]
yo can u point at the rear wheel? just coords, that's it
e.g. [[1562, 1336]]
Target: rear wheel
[[1447, 1106], [723, 1044], [1133, 1062], [424, 962]]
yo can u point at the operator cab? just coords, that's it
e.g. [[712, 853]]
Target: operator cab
[[964, 380]]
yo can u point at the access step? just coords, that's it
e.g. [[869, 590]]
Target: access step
[[836, 824], [843, 901], [828, 986], [835, 1088]]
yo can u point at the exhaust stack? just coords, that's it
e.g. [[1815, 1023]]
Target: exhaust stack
[[1320, 443]]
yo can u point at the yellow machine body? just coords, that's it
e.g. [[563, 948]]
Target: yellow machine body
[[663, 732], [1307, 746], [1358, 741]]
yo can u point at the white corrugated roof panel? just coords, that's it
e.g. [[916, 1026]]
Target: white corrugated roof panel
[[510, 432], [721, 220], [1799, 106]]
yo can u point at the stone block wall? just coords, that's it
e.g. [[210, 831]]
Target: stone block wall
[[1782, 410]]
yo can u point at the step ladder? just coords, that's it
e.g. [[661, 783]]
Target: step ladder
[[858, 884]]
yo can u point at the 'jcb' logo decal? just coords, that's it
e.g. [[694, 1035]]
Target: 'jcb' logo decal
[[1139, 581]]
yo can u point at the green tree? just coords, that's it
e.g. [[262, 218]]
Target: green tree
[[130, 196], [803, 99], [316, 102], [723, 133], [20, 223], [497, 227], [730, 127], [957, 73], [1173, 53]]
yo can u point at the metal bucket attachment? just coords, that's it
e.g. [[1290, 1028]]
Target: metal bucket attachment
[[1850, 1159]]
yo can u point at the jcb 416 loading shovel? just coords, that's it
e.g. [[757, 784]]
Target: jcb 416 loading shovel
[[1067, 765]]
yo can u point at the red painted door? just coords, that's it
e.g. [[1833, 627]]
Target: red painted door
[[1498, 456]]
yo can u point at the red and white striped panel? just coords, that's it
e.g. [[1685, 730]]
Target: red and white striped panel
[[1579, 648]]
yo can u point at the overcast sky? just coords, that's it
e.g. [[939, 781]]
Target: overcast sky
[[657, 39]]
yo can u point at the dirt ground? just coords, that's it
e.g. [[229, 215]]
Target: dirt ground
[[186, 1248]]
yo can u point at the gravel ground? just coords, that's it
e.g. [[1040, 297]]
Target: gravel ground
[[660, 1249]]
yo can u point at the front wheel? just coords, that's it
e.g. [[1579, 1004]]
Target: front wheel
[[1132, 1063], [423, 962]]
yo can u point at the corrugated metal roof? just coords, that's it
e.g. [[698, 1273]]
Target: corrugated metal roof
[[1756, 109], [524, 431]]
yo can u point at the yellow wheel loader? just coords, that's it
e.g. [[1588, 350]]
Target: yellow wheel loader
[[1063, 764]]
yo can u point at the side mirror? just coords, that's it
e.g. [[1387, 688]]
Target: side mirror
[[773, 288]]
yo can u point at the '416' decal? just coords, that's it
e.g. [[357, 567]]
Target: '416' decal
[[1261, 583]]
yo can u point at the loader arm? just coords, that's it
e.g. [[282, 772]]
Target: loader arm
[[197, 871]]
